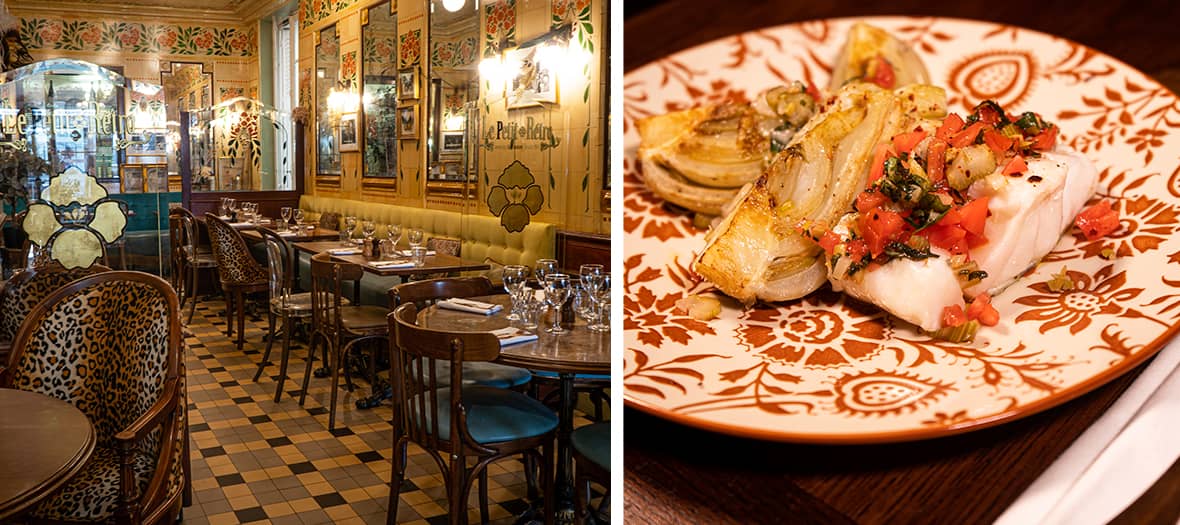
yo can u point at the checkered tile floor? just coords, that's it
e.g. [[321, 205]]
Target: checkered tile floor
[[255, 461]]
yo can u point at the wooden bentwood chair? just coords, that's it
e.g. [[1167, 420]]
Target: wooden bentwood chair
[[188, 259], [338, 325], [239, 273], [123, 330], [461, 422], [591, 451]]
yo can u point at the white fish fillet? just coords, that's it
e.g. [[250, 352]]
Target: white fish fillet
[[1028, 216]]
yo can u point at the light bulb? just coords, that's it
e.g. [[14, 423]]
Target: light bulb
[[453, 5]]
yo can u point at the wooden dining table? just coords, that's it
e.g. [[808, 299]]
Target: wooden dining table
[[580, 351], [437, 263], [677, 474], [46, 441]]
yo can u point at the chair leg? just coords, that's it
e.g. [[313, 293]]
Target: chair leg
[[192, 309], [334, 366], [286, 357], [270, 341], [530, 477], [582, 493], [311, 344], [229, 315], [395, 480], [457, 493], [483, 495], [240, 306], [547, 481]]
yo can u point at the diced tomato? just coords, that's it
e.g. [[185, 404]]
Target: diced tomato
[[988, 114], [828, 241], [882, 73], [936, 161], [953, 316], [967, 136], [1098, 220], [877, 170], [974, 215], [952, 238], [1016, 165], [868, 200], [814, 92], [1045, 140], [905, 142], [981, 309], [998, 143], [881, 227], [950, 125], [857, 249]]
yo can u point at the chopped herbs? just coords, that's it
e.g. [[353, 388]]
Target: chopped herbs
[[899, 250], [1060, 281]]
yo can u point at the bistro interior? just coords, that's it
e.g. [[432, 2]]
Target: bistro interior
[[251, 246]]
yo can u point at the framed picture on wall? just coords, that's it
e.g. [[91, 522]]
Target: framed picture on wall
[[452, 142], [407, 83], [407, 122], [348, 132], [534, 84], [131, 178], [156, 178]]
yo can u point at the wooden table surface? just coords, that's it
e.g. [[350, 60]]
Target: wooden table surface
[[676, 474], [438, 263], [580, 351], [317, 234], [46, 441]]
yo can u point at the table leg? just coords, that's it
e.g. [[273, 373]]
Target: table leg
[[564, 487]]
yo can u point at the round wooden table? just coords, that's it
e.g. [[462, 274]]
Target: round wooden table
[[580, 351], [45, 442]]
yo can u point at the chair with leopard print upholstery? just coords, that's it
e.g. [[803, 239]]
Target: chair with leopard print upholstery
[[239, 272], [25, 289], [110, 345]]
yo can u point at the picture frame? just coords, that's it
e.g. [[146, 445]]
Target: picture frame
[[407, 121], [407, 83], [453, 142], [534, 84], [131, 178], [349, 132], [156, 178]]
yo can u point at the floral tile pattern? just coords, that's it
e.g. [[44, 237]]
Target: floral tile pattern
[[454, 53], [312, 11], [500, 26], [409, 48], [135, 37], [827, 369]]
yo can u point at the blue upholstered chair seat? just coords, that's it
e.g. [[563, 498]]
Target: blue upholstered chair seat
[[485, 374], [495, 414], [545, 374], [593, 442]]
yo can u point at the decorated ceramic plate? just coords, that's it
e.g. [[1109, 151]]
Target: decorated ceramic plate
[[825, 369]]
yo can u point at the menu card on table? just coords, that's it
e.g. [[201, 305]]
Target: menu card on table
[[510, 335], [467, 305]]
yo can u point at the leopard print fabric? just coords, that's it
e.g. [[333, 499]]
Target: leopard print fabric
[[29, 287], [444, 245], [235, 265], [330, 220], [104, 350]]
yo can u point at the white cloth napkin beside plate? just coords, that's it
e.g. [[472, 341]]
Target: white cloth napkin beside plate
[[392, 264], [344, 251], [288, 234], [1115, 460], [467, 305], [511, 336], [241, 224], [408, 253]]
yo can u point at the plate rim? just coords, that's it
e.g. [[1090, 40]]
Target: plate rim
[[1062, 397]]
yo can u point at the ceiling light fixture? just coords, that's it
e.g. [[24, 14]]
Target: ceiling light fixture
[[453, 5]]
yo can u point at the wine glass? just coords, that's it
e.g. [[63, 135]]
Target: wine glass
[[557, 291], [602, 300], [515, 277], [394, 233], [346, 233], [232, 205], [369, 228], [224, 209], [285, 213], [544, 268], [415, 237], [297, 214], [584, 304]]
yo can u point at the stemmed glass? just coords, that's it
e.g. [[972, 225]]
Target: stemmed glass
[[602, 300], [394, 233], [349, 227], [285, 213], [515, 277], [544, 268], [415, 238], [231, 204], [557, 291], [369, 228], [591, 278], [297, 214]]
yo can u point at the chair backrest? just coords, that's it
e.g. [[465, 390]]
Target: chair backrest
[[107, 344], [330, 220], [425, 293], [235, 265], [28, 287], [327, 289], [279, 265], [414, 369], [182, 239], [444, 245]]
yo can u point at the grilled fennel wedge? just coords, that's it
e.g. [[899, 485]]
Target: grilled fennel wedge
[[757, 252], [862, 55], [699, 158]]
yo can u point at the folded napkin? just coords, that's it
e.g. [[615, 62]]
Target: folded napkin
[[467, 305], [288, 234], [344, 251], [511, 335], [392, 264], [408, 253], [1115, 460], [241, 224]]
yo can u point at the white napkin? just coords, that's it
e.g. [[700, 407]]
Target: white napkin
[[344, 251], [288, 234], [408, 253], [241, 224], [392, 264], [1115, 460], [510, 336], [467, 305]]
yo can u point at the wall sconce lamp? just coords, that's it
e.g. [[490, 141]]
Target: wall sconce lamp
[[343, 99], [554, 51]]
